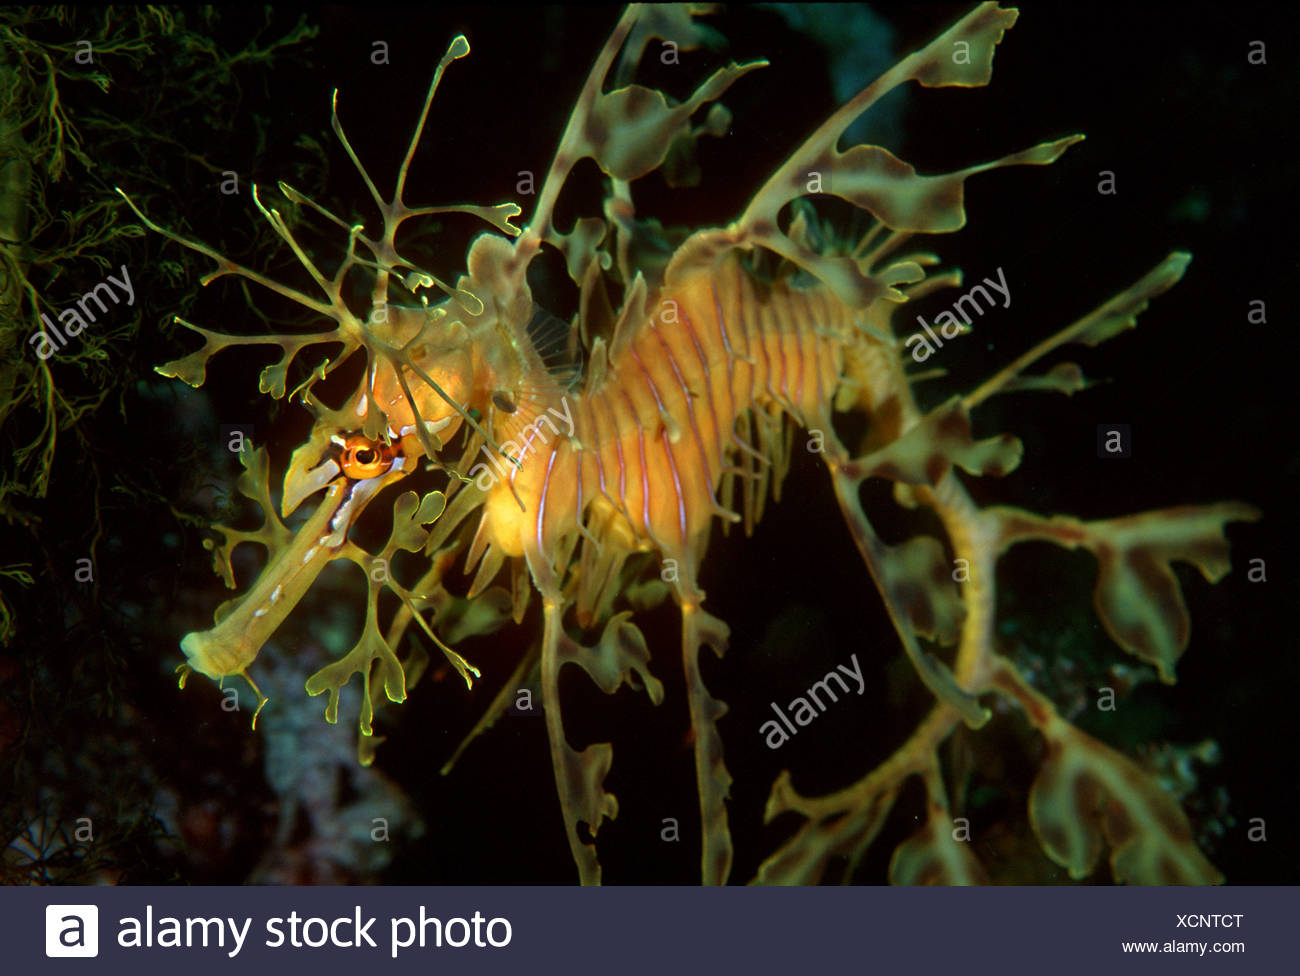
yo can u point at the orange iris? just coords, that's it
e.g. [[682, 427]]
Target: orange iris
[[363, 458]]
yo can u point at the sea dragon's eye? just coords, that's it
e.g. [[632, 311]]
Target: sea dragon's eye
[[363, 458]]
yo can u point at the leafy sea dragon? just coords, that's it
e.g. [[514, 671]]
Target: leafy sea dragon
[[705, 350]]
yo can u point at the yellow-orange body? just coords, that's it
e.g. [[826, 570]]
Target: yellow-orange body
[[641, 462]]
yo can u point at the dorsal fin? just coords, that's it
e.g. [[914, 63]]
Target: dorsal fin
[[554, 342]]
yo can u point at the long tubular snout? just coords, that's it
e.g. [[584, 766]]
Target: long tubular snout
[[231, 645]]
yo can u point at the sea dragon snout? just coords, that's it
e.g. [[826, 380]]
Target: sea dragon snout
[[358, 469]]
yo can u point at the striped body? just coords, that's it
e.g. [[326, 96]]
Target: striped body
[[649, 444]]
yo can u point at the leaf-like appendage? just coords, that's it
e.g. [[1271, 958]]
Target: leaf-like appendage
[[373, 656], [932, 856], [620, 653], [1086, 791], [803, 859], [371, 647], [671, 22], [1064, 378], [193, 369], [410, 515], [845, 824], [943, 438], [870, 177], [1138, 597], [631, 129], [1109, 319], [919, 575], [581, 246], [711, 776], [254, 485]]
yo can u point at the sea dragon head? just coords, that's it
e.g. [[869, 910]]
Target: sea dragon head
[[416, 391]]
